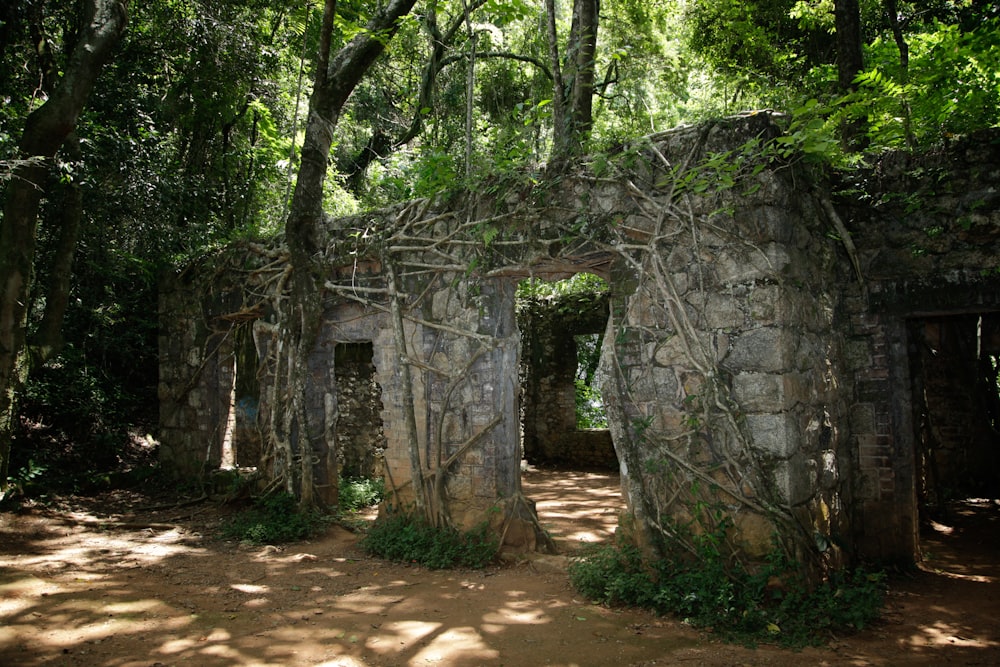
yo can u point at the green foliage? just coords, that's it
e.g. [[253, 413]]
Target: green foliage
[[812, 133], [273, 519], [759, 43], [20, 483], [589, 406], [581, 283], [410, 539], [589, 403], [707, 590], [952, 85], [356, 493]]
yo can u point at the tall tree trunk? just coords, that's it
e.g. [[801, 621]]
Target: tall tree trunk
[[48, 340], [574, 96], [45, 130], [312, 469], [558, 89], [470, 92], [892, 15], [847, 21]]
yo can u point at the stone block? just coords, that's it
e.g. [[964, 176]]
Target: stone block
[[857, 353], [738, 264], [753, 533], [766, 306], [666, 383], [797, 479], [680, 258], [768, 350], [759, 392], [776, 435], [721, 311], [799, 388]]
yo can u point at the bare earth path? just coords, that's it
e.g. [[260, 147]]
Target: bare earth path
[[76, 589]]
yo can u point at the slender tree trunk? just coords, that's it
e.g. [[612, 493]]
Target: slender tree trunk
[[48, 340], [847, 17], [850, 62], [585, 18], [574, 91], [45, 131], [470, 91], [892, 15], [558, 89], [313, 472]]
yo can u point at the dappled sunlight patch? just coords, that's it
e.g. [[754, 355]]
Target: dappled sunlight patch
[[177, 645], [576, 508], [406, 633], [512, 615], [74, 629], [216, 635], [257, 603], [132, 607], [974, 578], [452, 643], [946, 634], [250, 589], [19, 594], [369, 600], [344, 661]]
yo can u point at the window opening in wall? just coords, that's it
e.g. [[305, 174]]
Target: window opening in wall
[[589, 404]]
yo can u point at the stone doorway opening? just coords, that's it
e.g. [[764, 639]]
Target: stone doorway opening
[[360, 436], [241, 440], [562, 326], [569, 465], [955, 375]]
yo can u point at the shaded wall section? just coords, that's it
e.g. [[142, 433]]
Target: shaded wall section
[[927, 230]]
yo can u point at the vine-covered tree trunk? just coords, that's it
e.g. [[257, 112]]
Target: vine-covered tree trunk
[[45, 131], [574, 95], [308, 465]]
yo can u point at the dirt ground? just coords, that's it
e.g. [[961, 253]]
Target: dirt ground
[[101, 581]]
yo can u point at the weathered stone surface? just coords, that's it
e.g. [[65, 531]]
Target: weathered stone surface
[[775, 434], [767, 349], [750, 347]]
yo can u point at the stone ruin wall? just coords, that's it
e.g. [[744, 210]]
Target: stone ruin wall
[[744, 367], [927, 230]]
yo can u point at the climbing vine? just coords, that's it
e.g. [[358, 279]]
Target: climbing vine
[[438, 271]]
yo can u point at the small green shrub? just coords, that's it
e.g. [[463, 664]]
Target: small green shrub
[[273, 519], [406, 538], [707, 592], [360, 492]]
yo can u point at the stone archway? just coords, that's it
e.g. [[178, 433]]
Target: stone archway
[[754, 386]]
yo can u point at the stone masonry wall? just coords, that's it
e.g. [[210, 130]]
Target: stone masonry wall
[[754, 385], [928, 236]]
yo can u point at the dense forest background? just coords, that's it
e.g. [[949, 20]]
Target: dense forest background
[[135, 136]]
